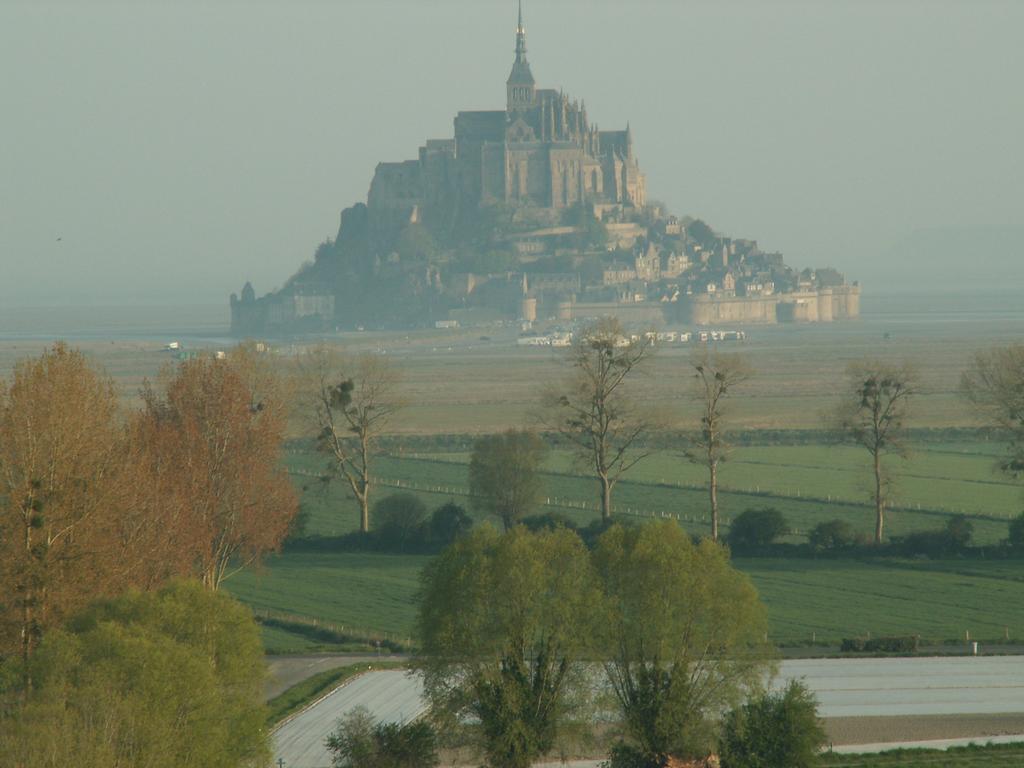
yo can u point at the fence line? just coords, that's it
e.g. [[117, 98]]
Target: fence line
[[556, 502], [794, 493]]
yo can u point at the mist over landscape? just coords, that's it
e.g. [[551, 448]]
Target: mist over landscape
[[163, 154], [511, 383]]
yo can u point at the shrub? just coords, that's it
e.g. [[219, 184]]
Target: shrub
[[959, 531], [549, 521], [624, 755], [360, 742], [776, 729], [902, 644], [954, 537], [757, 528], [399, 518], [1016, 537], [447, 523], [833, 535]]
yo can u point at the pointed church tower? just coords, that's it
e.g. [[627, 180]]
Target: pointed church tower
[[520, 83]]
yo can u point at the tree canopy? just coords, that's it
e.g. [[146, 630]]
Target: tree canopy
[[504, 474], [682, 634], [167, 679], [503, 621]]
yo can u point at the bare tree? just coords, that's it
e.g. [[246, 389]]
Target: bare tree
[[715, 376], [994, 383], [872, 415], [594, 410], [353, 403]]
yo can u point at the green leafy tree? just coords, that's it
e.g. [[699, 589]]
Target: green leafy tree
[[448, 523], [504, 475], [399, 520], [167, 679], [682, 634], [594, 410], [757, 528], [701, 233], [415, 243], [873, 415], [503, 621], [361, 742], [1016, 533], [833, 534], [773, 730]]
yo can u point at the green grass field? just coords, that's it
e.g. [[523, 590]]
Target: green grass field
[[820, 600], [367, 592], [809, 484], [808, 600], [992, 756]]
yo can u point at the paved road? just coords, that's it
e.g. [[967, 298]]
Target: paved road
[[286, 671], [844, 687], [919, 686], [390, 695]]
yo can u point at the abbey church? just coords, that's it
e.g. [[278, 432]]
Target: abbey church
[[540, 150]]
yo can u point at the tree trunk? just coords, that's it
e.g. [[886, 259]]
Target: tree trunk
[[364, 510], [26, 614], [606, 499], [879, 501], [713, 493]]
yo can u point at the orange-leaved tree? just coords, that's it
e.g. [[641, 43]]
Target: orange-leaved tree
[[215, 434], [60, 451]]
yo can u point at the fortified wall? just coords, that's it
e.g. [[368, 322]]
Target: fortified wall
[[821, 306]]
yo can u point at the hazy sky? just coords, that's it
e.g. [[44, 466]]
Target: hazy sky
[[178, 149]]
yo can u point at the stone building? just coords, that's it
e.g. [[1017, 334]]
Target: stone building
[[540, 150]]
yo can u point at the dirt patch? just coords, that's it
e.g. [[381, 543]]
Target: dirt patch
[[867, 730]]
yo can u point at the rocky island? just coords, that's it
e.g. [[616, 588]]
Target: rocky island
[[532, 213]]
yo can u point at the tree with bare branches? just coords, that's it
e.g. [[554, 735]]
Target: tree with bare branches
[[714, 379], [994, 384], [872, 415], [594, 410], [353, 402]]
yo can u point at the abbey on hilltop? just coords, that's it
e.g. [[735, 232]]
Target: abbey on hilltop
[[540, 150], [531, 212]]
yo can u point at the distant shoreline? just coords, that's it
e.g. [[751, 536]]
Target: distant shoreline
[[212, 321]]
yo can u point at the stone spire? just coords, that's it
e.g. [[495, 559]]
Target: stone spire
[[520, 35], [520, 82]]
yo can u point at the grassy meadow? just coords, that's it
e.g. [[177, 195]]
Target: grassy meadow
[[986, 756], [808, 483], [821, 601]]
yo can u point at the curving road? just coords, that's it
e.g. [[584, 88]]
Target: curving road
[[391, 695], [844, 688]]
